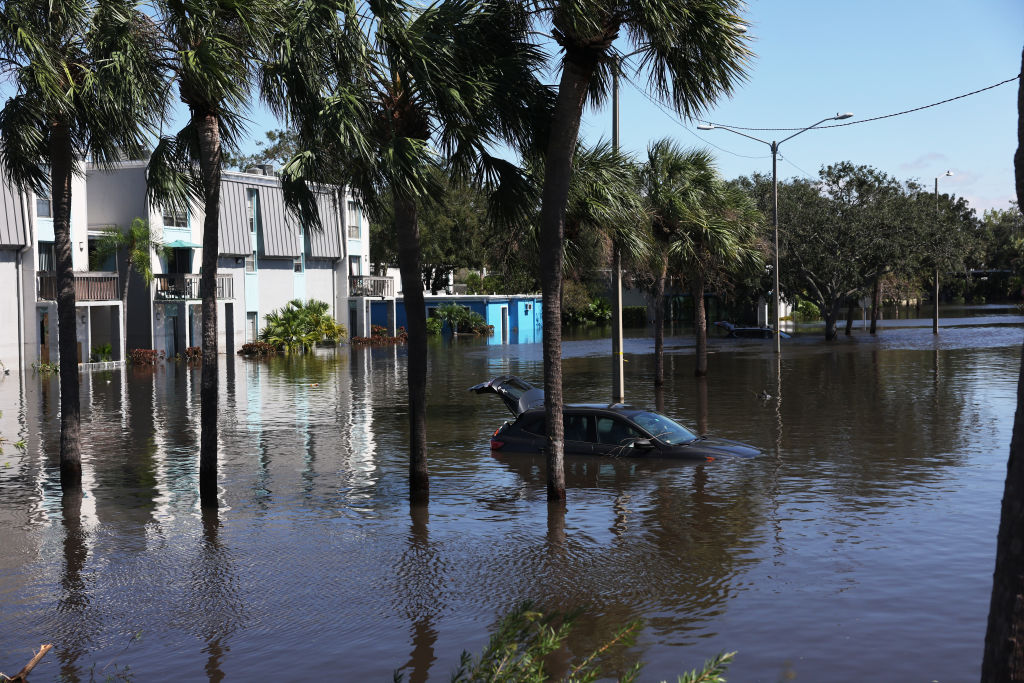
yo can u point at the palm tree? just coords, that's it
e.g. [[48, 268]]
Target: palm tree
[[677, 186], [212, 49], [718, 247], [381, 96], [88, 87], [691, 52], [138, 246], [1004, 659]]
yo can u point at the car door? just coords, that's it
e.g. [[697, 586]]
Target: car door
[[578, 433], [615, 436]]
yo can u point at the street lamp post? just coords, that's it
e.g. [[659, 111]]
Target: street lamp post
[[935, 313], [775, 202]]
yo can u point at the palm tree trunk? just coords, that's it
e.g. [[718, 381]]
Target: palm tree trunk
[[124, 302], [700, 326], [659, 323], [565, 126], [876, 300], [208, 128], [1004, 640], [408, 232], [61, 172]]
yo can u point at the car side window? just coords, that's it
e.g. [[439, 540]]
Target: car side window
[[615, 432], [577, 428]]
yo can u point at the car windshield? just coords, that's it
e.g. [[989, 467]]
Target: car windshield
[[663, 428]]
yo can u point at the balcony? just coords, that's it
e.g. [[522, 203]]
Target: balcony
[[186, 286], [371, 285], [89, 286]]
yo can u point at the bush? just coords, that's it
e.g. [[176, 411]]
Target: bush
[[103, 353], [145, 356], [634, 316], [434, 326], [258, 348], [194, 354], [461, 320], [805, 310], [300, 326]]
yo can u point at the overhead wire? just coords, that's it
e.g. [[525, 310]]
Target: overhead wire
[[875, 118]]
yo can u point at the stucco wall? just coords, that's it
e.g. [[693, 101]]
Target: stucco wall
[[276, 283], [9, 304]]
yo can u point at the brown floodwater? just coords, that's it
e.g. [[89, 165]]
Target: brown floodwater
[[859, 545]]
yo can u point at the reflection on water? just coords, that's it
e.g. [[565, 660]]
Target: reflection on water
[[867, 527]]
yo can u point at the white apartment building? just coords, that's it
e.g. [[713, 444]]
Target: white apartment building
[[266, 258]]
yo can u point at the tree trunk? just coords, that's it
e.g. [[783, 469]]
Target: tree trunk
[[831, 314], [565, 125], [876, 300], [124, 302], [408, 233], [851, 307], [208, 128], [61, 172], [1004, 640], [700, 327], [659, 323]]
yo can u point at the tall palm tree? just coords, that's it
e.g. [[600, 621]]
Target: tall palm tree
[[88, 87], [1004, 659], [138, 246], [213, 48], [721, 245], [381, 94], [690, 52], [678, 186]]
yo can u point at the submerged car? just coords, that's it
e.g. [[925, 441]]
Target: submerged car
[[595, 429]]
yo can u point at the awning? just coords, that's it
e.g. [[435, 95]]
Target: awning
[[182, 244]]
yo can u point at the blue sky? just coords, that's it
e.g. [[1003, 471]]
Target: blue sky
[[872, 58]]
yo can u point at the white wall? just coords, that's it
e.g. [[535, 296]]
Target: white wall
[[9, 314]]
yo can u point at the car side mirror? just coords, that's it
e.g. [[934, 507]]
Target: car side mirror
[[642, 443]]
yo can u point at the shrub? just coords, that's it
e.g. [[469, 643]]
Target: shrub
[[461, 320], [258, 348], [634, 316], [434, 326], [145, 356], [101, 354], [299, 326], [194, 354]]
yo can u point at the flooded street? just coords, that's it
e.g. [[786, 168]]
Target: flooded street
[[860, 543]]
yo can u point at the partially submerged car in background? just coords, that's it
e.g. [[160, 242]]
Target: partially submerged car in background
[[596, 429]]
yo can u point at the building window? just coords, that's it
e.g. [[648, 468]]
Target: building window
[[297, 265], [354, 266], [44, 206], [353, 220], [251, 208], [175, 218], [251, 323], [47, 257], [250, 263]]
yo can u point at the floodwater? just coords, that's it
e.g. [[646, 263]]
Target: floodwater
[[861, 544]]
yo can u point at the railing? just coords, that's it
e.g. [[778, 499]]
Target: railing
[[370, 285], [186, 286], [89, 286]]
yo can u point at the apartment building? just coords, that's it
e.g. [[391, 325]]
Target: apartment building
[[266, 258]]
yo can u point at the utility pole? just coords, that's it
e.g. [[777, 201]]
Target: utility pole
[[618, 381]]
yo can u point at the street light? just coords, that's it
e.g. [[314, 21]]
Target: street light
[[935, 313], [775, 200]]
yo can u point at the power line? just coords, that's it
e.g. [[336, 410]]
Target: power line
[[876, 118], [676, 121]]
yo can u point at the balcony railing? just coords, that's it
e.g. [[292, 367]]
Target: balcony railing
[[89, 286], [186, 286], [370, 285]]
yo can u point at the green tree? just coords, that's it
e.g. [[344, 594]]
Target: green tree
[[690, 51], [88, 86], [137, 246], [213, 48], [716, 250], [677, 186], [279, 147], [381, 95]]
